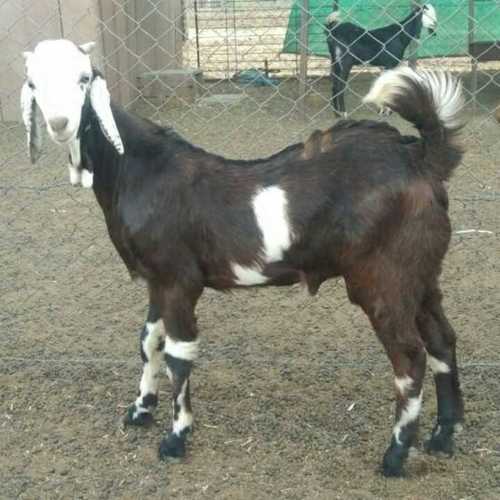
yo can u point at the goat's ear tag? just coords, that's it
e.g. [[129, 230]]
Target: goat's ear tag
[[88, 47]]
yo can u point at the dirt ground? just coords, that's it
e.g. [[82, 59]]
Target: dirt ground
[[292, 395]]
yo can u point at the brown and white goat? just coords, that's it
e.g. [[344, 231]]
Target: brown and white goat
[[358, 201]]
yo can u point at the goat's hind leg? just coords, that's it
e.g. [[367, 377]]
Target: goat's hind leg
[[408, 361], [392, 314], [440, 340], [151, 347]]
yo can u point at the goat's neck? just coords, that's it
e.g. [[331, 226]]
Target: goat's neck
[[411, 26]]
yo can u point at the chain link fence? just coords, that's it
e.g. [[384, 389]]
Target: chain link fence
[[242, 78], [220, 72], [216, 71]]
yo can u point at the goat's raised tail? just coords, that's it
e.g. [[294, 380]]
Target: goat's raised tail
[[432, 101]]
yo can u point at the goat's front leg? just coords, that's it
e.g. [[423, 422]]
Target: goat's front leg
[[181, 349], [338, 88], [151, 347]]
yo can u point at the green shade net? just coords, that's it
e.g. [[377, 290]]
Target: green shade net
[[451, 37]]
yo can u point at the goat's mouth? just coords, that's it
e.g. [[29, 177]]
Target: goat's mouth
[[63, 138], [432, 31]]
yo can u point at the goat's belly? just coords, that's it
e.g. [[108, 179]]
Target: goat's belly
[[274, 273]]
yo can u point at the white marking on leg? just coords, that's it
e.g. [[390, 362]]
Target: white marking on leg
[[75, 173], [403, 384], [75, 153], [338, 56], [151, 369], [180, 349], [409, 414], [270, 206], [184, 418], [87, 178], [437, 366]]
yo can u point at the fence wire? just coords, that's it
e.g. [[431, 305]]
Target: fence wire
[[215, 70]]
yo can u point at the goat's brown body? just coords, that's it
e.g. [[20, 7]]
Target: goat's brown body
[[346, 206], [364, 203], [358, 201]]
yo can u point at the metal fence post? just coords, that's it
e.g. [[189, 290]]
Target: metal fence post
[[472, 28], [304, 51], [412, 60]]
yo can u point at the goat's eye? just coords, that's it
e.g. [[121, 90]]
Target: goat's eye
[[31, 85], [84, 79]]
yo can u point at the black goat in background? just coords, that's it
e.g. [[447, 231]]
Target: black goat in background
[[351, 45]]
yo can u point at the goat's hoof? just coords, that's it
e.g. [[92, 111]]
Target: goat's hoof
[[173, 448], [394, 458], [441, 441], [134, 417]]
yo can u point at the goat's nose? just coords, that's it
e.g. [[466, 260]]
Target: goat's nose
[[58, 124]]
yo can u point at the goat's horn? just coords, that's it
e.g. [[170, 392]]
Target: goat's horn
[[101, 103], [33, 130]]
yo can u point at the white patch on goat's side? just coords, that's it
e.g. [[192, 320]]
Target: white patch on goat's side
[[437, 366], [404, 384], [409, 414], [270, 206], [248, 276], [87, 178], [75, 175], [184, 418], [429, 16], [180, 349]]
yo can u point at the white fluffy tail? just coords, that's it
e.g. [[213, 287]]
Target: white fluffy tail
[[432, 101], [444, 90]]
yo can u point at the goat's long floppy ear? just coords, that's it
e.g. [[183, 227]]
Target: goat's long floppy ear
[[100, 101], [29, 110]]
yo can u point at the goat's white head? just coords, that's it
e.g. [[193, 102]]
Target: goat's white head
[[429, 17], [59, 78]]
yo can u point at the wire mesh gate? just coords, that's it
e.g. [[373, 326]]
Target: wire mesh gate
[[217, 71]]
